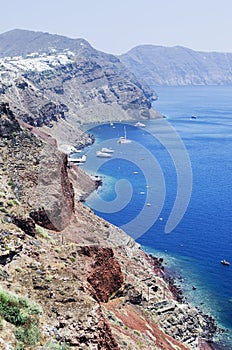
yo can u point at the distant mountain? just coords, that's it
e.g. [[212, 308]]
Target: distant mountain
[[159, 65], [20, 42], [48, 77]]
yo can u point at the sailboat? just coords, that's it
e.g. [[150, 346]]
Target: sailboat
[[123, 139]]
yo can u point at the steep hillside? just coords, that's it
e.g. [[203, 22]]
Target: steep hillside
[[20, 42], [47, 78], [159, 65], [70, 280]]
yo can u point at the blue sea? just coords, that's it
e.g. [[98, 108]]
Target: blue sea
[[170, 189]]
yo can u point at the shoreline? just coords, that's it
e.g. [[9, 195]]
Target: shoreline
[[178, 294], [211, 328]]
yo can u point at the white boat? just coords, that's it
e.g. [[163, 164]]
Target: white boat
[[123, 139], [79, 160], [140, 125], [107, 150], [225, 262], [103, 154]]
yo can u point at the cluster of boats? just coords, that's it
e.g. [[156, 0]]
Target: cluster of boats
[[105, 152]]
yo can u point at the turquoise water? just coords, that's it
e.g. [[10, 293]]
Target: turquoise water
[[157, 170]]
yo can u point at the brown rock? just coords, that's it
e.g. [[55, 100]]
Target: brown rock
[[27, 225]]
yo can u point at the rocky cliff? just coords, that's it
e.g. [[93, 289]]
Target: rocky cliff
[[159, 65], [70, 280], [49, 78]]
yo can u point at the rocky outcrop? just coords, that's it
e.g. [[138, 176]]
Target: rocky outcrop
[[46, 114], [159, 65], [36, 173], [8, 125], [25, 224], [179, 320]]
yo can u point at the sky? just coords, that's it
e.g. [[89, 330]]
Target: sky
[[115, 26]]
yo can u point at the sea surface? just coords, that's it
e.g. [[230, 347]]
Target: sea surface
[[171, 189]]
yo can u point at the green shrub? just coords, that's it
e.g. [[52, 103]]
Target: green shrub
[[10, 310], [19, 346], [51, 345], [22, 313], [40, 230], [137, 333], [16, 310], [28, 335], [12, 202]]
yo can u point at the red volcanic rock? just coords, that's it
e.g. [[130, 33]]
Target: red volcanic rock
[[105, 276]]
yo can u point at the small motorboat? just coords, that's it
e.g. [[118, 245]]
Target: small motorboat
[[107, 150], [225, 262], [103, 154], [78, 160], [140, 125]]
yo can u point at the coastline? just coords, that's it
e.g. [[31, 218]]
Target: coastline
[[211, 326], [179, 295], [204, 344]]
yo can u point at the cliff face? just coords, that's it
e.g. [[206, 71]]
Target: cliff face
[[81, 283], [36, 173], [47, 78], [159, 65]]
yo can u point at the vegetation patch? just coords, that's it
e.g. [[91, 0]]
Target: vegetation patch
[[41, 231], [23, 314], [51, 345]]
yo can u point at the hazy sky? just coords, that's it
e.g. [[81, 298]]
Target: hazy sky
[[115, 26]]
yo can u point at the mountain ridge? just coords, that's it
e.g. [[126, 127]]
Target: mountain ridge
[[178, 65]]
